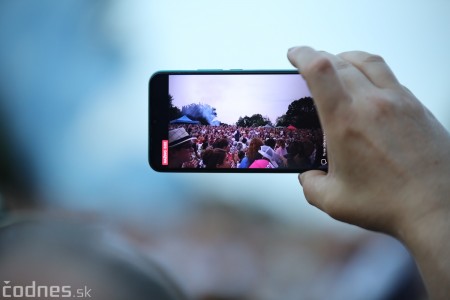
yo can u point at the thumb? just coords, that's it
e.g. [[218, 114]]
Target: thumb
[[315, 187]]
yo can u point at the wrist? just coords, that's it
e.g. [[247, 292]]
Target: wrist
[[427, 238], [426, 219]]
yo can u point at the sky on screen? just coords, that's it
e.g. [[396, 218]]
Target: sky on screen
[[236, 96]]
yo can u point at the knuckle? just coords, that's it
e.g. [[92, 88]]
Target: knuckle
[[351, 132], [320, 65], [342, 64], [387, 106], [395, 102], [382, 106], [348, 126], [361, 56]]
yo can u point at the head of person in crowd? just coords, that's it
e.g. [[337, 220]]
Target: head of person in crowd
[[180, 147], [205, 143], [253, 148], [241, 155], [37, 254], [237, 135], [280, 148], [299, 153], [280, 144], [270, 142], [216, 159], [244, 138], [222, 144], [241, 146], [268, 159], [38, 246]]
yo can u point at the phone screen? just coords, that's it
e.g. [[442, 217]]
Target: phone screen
[[234, 121]]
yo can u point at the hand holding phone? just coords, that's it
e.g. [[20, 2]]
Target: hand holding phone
[[391, 162]]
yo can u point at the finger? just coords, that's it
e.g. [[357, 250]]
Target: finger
[[314, 185], [323, 80], [353, 79], [373, 67]]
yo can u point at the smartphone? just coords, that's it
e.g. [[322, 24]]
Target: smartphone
[[233, 121]]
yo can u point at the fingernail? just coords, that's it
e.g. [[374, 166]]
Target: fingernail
[[292, 48]]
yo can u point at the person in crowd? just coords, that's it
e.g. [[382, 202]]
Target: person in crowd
[[47, 253], [298, 155], [240, 156], [205, 143], [389, 166], [181, 148], [244, 139], [280, 147], [267, 160], [252, 153], [237, 135], [270, 142], [216, 159], [241, 146], [38, 251], [224, 144]]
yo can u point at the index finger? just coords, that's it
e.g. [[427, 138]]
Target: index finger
[[322, 78], [373, 67]]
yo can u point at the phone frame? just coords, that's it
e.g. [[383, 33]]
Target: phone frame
[[158, 118]]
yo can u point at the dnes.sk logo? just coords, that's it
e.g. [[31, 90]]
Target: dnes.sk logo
[[36, 291]]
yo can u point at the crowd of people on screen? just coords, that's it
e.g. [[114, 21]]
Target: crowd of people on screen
[[215, 147]]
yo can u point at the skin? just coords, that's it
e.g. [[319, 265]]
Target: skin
[[226, 164], [389, 158], [179, 156]]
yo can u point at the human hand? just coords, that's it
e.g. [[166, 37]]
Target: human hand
[[192, 164], [389, 158]]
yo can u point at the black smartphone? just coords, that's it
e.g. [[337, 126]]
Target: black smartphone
[[235, 121]]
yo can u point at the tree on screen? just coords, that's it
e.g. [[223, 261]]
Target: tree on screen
[[253, 121], [301, 113], [174, 112]]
